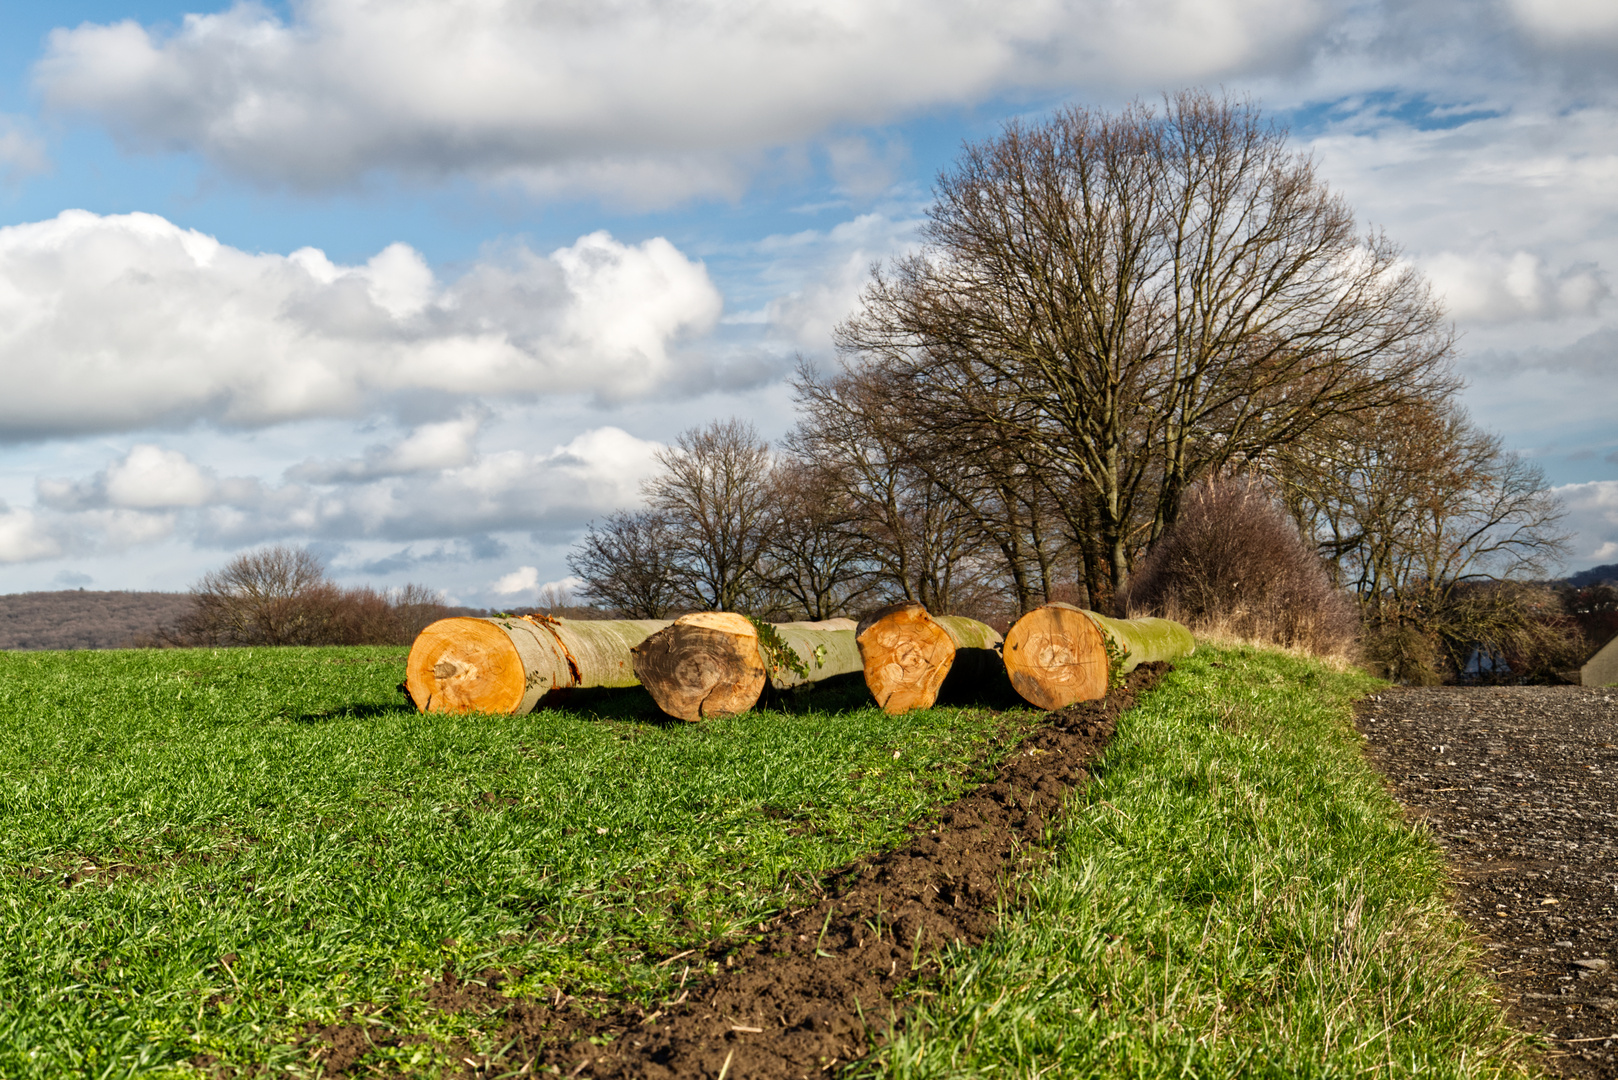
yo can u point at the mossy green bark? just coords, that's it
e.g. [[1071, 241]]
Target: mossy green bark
[[968, 633], [825, 649], [1146, 640]]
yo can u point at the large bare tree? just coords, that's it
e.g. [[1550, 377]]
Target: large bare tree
[[627, 565], [919, 540], [1424, 517], [1145, 298], [814, 557], [714, 492]]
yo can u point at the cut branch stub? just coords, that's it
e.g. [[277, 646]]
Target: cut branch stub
[[711, 664], [702, 665], [506, 665], [907, 653], [1057, 654]]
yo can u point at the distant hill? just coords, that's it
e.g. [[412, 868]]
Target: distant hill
[[1593, 576], [79, 619]]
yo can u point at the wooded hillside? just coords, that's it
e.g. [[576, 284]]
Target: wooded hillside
[[81, 619]]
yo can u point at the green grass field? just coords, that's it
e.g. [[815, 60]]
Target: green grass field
[[1235, 895], [206, 852]]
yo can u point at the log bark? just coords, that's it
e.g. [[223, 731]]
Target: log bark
[[506, 665], [710, 664], [1056, 655], [907, 653]]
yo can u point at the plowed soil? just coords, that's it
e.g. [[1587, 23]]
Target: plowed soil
[[1520, 786], [810, 991]]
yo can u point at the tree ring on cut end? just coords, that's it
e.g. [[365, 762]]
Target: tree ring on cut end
[[1055, 656], [702, 665], [466, 665], [906, 655]]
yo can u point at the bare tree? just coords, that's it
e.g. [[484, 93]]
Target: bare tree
[[918, 538], [715, 495], [813, 556], [277, 595], [627, 564], [1421, 514], [991, 489], [280, 595], [1146, 298]]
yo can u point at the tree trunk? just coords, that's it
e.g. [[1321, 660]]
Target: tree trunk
[[506, 665], [1057, 654], [711, 664], [907, 653]]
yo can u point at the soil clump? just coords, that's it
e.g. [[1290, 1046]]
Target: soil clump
[[810, 991], [1520, 786]]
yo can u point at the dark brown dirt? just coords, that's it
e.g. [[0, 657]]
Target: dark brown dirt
[[808, 994], [1520, 786]]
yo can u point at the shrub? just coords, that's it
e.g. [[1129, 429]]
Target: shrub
[[1507, 631], [281, 596], [1475, 632], [1233, 563], [1401, 653]]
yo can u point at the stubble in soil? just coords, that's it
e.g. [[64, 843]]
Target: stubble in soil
[[810, 992], [1520, 787]]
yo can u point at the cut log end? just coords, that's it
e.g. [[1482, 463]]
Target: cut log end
[[465, 665], [702, 666], [1055, 656], [906, 654]]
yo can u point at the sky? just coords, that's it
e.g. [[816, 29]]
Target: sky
[[426, 285]]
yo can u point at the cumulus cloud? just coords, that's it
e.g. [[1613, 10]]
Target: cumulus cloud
[[642, 95], [521, 580], [1568, 22], [1592, 517], [1492, 287], [429, 447], [25, 538], [126, 322], [22, 153], [152, 494]]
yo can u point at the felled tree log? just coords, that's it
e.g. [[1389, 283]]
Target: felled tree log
[[505, 665], [907, 653], [1057, 654], [713, 664]]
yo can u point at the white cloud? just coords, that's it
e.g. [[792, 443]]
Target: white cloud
[[126, 322], [1568, 22], [152, 494], [651, 98], [521, 580], [24, 538], [22, 153], [1592, 517], [1534, 176], [823, 273], [147, 478], [1491, 287], [151, 478], [428, 447], [562, 588]]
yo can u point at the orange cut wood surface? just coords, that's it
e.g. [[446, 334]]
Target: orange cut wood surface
[[1055, 656], [907, 654], [465, 665]]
